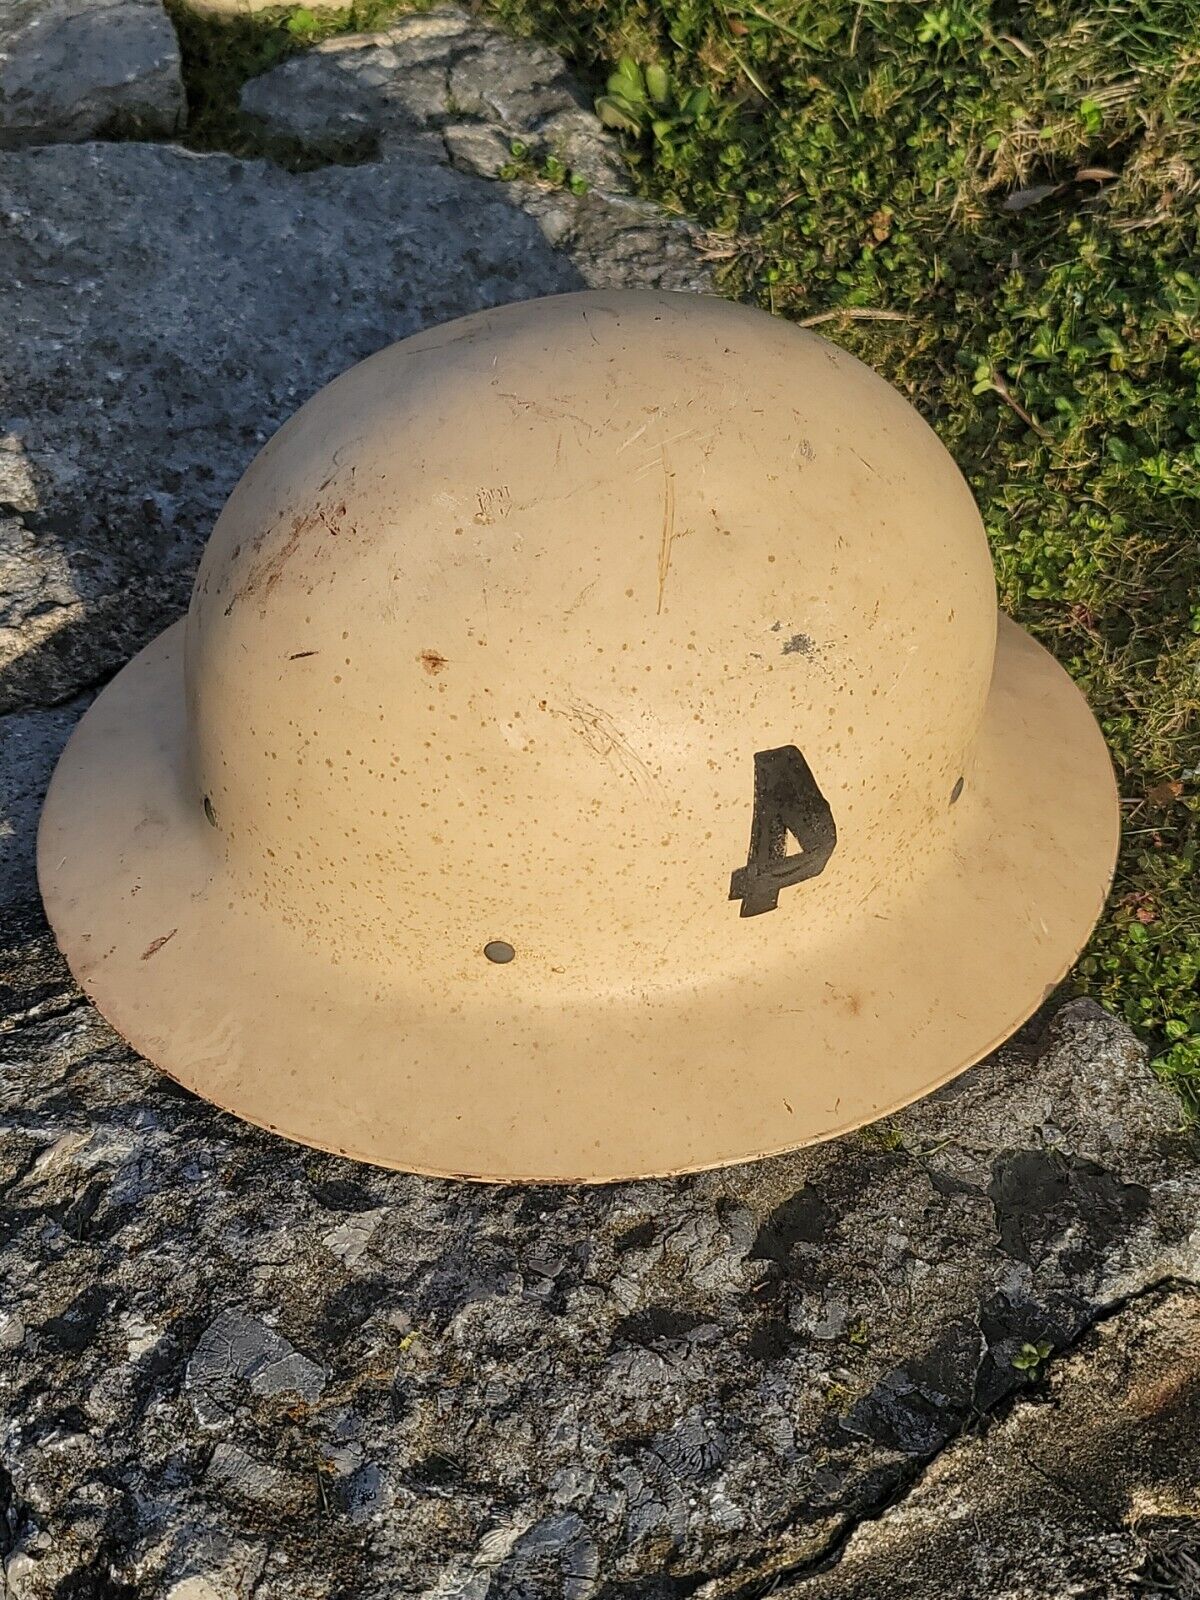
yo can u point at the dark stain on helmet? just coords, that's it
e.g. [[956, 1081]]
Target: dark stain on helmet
[[156, 945], [798, 645], [270, 560]]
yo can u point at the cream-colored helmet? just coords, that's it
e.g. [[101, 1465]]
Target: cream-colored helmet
[[590, 753]]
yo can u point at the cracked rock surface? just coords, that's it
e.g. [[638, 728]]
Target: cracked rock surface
[[1094, 1482], [78, 69], [461, 93], [472, 88], [233, 1367]]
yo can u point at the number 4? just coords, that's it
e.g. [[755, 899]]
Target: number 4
[[786, 800]]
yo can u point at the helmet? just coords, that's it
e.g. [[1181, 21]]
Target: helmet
[[592, 751]]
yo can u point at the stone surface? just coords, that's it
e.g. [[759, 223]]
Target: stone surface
[[458, 91], [81, 69], [230, 1366], [1094, 1480], [472, 88], [30, 744]]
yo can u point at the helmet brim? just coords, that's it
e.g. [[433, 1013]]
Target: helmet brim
[[925, 980]]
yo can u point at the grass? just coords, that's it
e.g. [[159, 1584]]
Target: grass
[[995, 204]]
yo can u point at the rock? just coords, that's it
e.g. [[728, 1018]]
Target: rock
[[254, 286], [30, 744], [1089, 1487], [236, 1350], [246, 8], [465, 93], [82, 69], [474, 88], [38, 597]]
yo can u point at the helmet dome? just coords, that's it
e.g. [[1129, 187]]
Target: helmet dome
[[487, 640]]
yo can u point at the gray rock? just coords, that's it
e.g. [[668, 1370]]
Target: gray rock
[[1089, 1487], [30, 744], [246, 8], [460, 91], [472, 87], [38, 597], [78, 69], [166, 312], [237, 1349]]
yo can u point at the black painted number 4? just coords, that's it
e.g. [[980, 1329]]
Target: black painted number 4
[[787, 801]]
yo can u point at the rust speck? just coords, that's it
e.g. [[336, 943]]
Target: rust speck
[[267, 569], [156, 945], [432, 662]]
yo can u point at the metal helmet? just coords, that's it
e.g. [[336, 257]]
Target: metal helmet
[[592, 751]]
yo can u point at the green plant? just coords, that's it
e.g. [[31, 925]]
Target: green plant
[[882, 1136], [949, 24], [641, 100], [1030, 1358], [551, 170]]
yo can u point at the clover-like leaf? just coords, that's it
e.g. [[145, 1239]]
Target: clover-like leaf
[[658, 85], [627, 80], [615, 111]]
